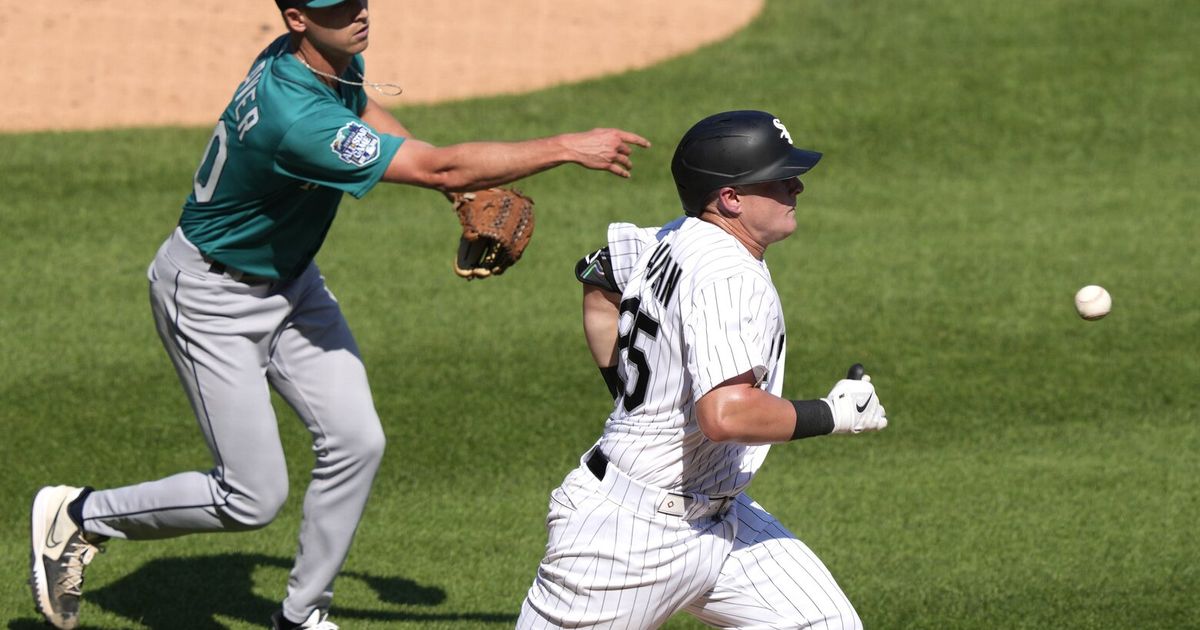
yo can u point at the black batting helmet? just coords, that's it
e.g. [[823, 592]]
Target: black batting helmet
[[732, 148]]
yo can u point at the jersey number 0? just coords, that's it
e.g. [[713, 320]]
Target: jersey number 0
[[204, 192]]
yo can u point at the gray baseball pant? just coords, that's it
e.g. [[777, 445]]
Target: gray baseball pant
[[230, 341]]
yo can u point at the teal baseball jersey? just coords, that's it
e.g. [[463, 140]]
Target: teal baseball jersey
[[280, 158]]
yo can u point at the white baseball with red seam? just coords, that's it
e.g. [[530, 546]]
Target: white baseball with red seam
[[1093, 302]]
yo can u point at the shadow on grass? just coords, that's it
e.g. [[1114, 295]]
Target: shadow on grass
[[188, 593]]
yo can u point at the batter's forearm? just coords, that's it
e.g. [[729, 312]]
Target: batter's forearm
[[739, 412]]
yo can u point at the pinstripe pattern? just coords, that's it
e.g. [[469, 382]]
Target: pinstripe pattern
[[724, 320], [697, 309], [773, 580], [584, 581], [613, 562]]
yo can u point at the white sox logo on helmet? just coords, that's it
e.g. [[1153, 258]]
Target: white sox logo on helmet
[[783, 132]]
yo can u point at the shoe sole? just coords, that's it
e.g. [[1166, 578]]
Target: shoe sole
[[37, 537]]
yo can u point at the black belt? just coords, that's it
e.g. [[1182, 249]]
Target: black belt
[[220, 268], [672, 503], [597, 463]]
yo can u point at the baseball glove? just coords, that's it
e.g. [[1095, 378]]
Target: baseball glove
[[497, 224]]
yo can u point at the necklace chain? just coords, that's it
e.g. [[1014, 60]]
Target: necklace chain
[[387, 89]]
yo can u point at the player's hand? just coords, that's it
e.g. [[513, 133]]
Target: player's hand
[[855, 406], [604, 149]]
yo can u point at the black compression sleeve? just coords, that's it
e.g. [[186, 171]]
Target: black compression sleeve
[[813, 418], [611, 379]]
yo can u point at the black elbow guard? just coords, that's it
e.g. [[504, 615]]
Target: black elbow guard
[[596, 269]]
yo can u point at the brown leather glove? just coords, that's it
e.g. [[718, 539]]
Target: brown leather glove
[[497, 224]]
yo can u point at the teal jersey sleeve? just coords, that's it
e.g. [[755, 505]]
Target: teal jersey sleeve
[[326, 142], [332, 147], [274, 171]]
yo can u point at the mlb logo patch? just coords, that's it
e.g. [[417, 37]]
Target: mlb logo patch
[[355, 144]]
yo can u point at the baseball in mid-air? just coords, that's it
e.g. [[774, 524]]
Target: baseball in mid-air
[[1093, 302]]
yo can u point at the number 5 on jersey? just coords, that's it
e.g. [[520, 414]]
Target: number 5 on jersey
[[636, 325]]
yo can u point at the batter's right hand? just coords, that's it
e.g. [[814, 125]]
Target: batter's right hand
[[855, 406], [604, 149]]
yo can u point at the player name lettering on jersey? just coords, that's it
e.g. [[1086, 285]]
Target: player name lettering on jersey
[[248, 92], [662, 273]]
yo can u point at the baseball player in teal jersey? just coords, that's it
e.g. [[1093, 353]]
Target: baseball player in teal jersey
[[241, 308]]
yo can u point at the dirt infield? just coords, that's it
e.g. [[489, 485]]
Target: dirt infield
[[114, 63]]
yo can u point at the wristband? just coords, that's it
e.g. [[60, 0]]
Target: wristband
[[813, 418], [611, 379]]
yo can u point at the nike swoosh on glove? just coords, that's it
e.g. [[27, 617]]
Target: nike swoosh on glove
[[855, 406]]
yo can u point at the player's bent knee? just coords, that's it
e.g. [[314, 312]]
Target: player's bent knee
[[365, 447], [255, 508], [255, 515], [374, 447]]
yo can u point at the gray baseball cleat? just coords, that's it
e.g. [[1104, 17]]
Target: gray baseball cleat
[[316, 621], [60, 551]]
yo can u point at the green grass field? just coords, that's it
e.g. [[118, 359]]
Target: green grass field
[[983, 161]]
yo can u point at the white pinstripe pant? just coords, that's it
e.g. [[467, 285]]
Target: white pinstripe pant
[[612, 561]]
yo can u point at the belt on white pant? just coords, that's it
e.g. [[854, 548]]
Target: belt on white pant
[[644, 498]]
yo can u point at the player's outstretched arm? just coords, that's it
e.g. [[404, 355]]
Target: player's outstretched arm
[[737, 411], [478, 165]]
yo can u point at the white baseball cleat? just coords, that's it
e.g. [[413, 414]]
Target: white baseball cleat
[[59, 552], [316, 621]]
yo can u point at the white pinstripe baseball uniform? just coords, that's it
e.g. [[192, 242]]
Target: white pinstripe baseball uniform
[[655, 520]]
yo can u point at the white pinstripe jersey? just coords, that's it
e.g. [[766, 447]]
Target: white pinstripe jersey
[[696, 310]]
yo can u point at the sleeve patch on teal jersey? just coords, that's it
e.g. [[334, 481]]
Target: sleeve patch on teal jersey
[[356, 144]]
